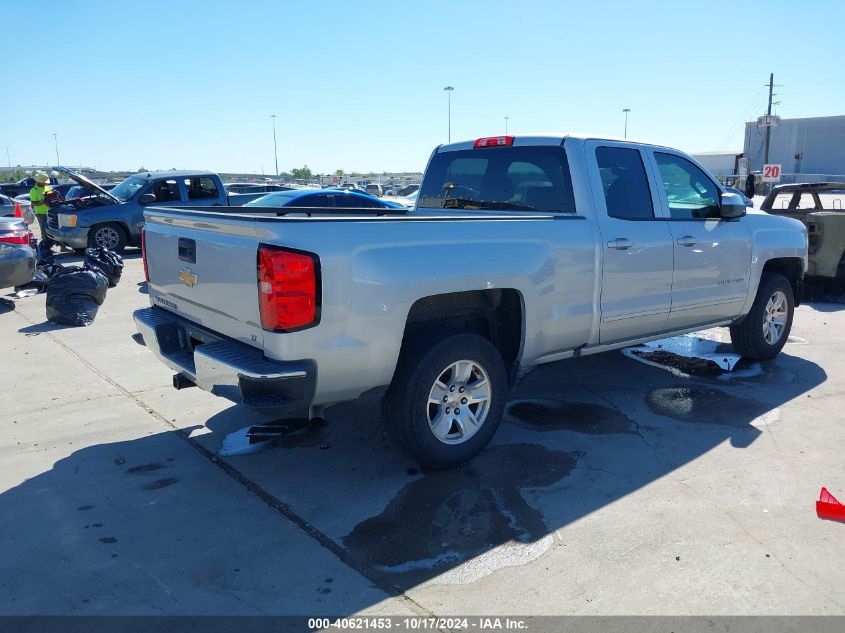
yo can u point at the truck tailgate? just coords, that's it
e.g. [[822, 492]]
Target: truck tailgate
[[204, 267]]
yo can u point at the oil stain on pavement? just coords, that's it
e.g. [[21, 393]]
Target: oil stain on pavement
[[445, 518], [704, 405], [559, 415]]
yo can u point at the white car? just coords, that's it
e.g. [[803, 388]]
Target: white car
[[406, 201]]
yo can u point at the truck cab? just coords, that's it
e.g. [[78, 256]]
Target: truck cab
[[113, 219]]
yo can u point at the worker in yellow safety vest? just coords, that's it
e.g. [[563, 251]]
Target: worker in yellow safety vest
[[38, 199]]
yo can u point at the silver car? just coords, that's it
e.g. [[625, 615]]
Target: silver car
[[17, 259]]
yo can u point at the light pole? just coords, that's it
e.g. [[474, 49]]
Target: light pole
[[8, 160], [506, 125], [275, 148], [626, 111], [449, 90], [56, 141]]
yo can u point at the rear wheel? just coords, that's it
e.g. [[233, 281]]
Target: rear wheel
[[446, 399], [109, 236], [763, 333]]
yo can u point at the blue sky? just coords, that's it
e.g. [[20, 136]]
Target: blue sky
[[359, 86]]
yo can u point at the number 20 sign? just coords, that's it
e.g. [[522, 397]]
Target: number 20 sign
[[771, 173]]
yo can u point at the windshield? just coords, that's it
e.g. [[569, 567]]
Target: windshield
[[277, 199], [128, 188], [512, 178]]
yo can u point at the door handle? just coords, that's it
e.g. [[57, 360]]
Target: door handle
[[620, 244], [687, 240]]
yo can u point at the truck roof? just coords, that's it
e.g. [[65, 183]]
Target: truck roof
[[545, 139], [176, 173]]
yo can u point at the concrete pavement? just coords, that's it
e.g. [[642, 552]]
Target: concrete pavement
[[612, 487]]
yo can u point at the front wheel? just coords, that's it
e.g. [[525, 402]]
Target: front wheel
[[109, 236], [763, 332], [446, 399]]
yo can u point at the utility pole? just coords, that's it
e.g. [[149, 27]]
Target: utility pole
[[626, 111], [769, 119], [8, 160], [506, 125], [275, 149], [56, 141], [449, 90]]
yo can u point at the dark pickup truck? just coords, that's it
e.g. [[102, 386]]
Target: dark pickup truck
[[113, 219]]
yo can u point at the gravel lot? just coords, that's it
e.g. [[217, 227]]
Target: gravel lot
[[613, 487]]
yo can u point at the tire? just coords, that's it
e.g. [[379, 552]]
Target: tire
[[757, 336], [461, 362], [111, 236]]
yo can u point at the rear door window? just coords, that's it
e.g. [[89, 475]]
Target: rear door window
[[625, 184], [516, 178], [201, 188]]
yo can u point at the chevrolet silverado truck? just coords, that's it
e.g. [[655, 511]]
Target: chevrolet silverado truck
[[520, 251], [113, 219]]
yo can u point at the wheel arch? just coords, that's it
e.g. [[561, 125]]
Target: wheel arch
[[496, 314]]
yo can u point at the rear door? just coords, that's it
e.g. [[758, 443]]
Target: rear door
[[712, 257], [201, 191], [636, 286]]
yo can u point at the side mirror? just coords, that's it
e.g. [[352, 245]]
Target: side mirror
[[147, 198], [732, 206]]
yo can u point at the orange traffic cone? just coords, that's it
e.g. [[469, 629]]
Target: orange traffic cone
[[827, 507], [18, 211]]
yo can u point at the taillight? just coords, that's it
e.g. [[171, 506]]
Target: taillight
[[493, 141], [288, 289], [144, 254], [15, 237]]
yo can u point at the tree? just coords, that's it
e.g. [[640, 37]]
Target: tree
[[338, 173], [142, 169], [301, 173]]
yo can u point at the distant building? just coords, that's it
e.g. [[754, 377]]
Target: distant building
[[812, 146], [720, 164]]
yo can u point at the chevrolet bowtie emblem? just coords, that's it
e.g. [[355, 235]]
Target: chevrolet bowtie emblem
[[188, 278]]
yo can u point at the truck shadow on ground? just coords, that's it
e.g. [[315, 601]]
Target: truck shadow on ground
[[577, 436]]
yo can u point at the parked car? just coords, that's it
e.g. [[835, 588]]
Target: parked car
[[113, 219], [7, 208], [406, 201], [374, 190], [254, 187], [520, 251], [322, 198], [407, 190], [17, 259], [14, 189], [819, 206]]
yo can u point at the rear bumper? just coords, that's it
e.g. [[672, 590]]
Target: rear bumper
[[226, 368], [17, 265]]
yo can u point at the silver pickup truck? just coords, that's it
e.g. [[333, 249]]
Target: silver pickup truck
[[520, 251]]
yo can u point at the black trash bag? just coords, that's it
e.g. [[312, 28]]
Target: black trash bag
[[108, 262], [44, 253], [42, 275], [75, 294]]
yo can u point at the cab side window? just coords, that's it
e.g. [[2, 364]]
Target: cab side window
[[625, 184], [691, 193], [201, 188]]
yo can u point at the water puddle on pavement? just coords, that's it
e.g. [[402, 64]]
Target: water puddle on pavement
[[559, 415], [702, 405], [473, 513]]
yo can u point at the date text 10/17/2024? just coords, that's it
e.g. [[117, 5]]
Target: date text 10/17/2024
[[418, 624]]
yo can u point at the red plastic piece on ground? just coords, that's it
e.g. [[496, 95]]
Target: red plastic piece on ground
[[827, 507], [18, 211]]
